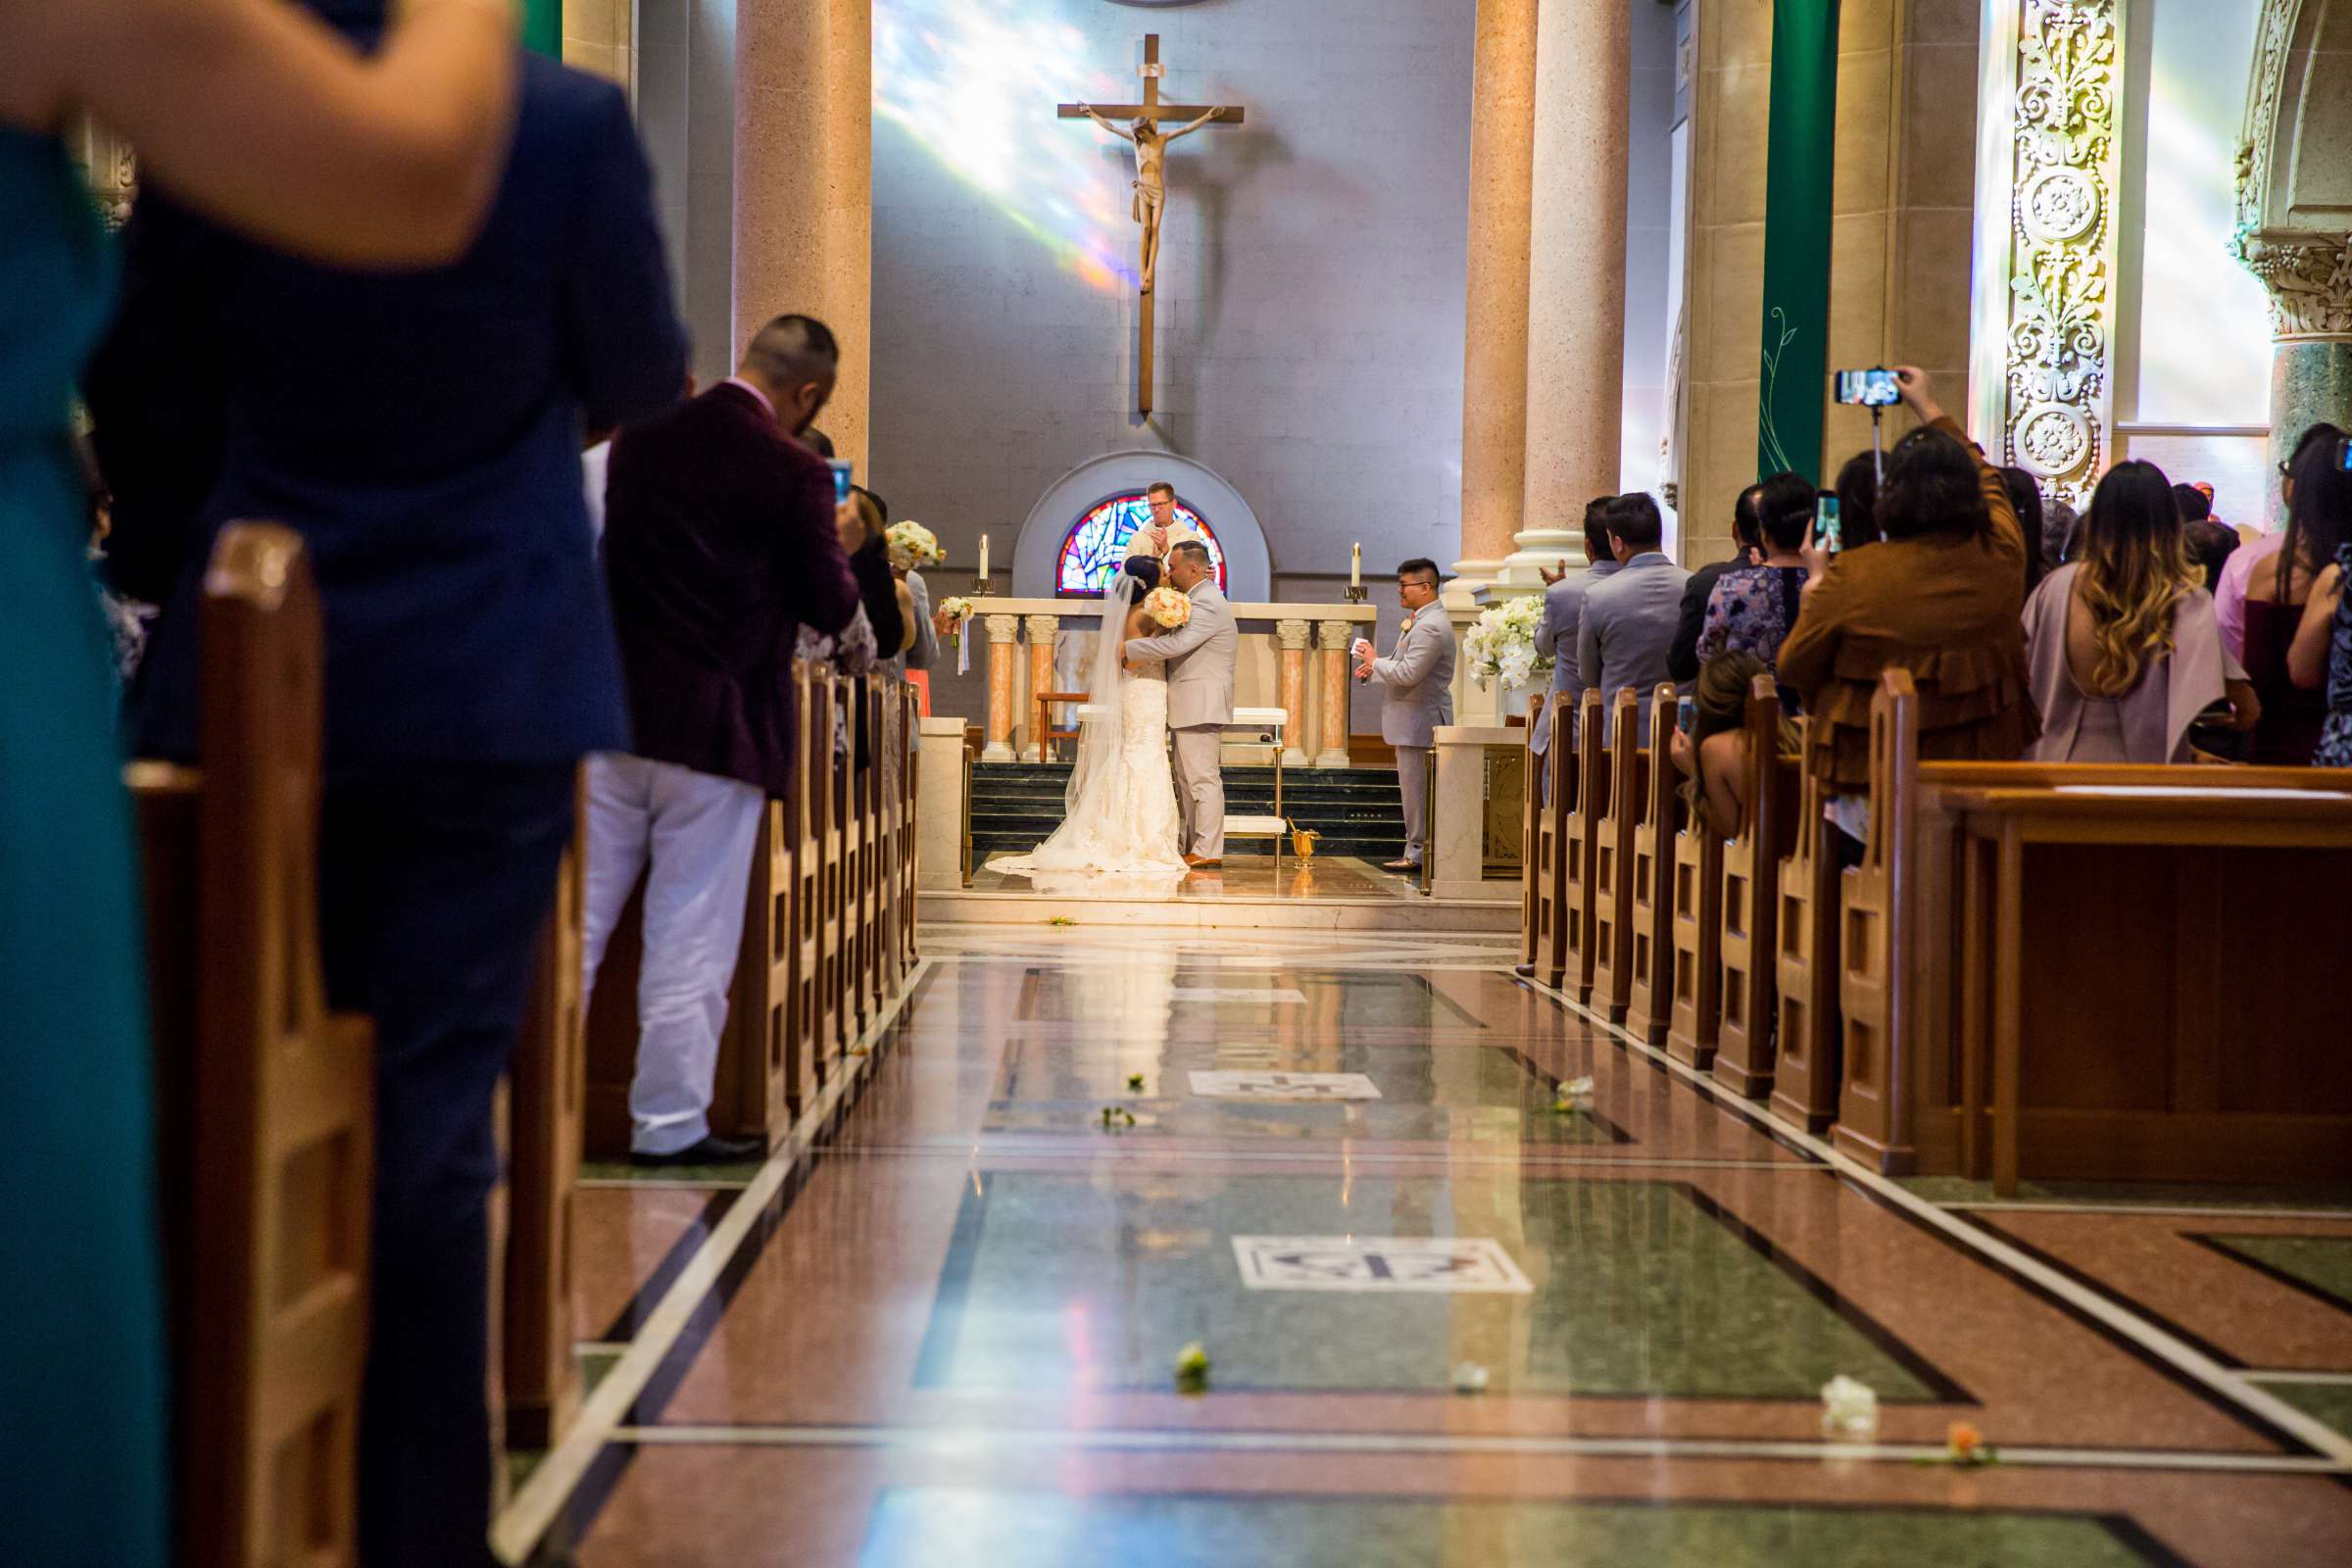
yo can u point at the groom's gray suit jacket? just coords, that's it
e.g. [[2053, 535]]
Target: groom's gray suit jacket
[[1199, 654]]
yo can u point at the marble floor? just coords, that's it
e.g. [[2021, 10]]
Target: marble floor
[[1453, 1309]]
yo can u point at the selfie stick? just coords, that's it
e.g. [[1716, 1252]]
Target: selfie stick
[[1877, 453]]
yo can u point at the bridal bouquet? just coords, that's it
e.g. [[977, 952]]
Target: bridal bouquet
[[955, 609], [1501, 644], [1168, 607], [913, 544]]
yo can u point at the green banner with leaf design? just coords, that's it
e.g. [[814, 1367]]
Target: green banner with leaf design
[[1797, 206]]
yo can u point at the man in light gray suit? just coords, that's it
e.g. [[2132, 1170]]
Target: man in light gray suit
[[1199, 654], [1628, 622], [1555, 633], [1418, 695]]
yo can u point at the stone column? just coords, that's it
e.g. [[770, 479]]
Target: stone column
[[1042, 630], [1336, 636], [804, 184], [1576, 277], [1503, 147], [1294, 635], [2309, 278], [1001, 630]]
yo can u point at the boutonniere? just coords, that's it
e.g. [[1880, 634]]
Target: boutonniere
[[1404, 627]]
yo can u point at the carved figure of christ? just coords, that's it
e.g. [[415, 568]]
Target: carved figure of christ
[[1150, 173]]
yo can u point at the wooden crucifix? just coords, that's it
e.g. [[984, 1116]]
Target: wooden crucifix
[[1151, 179]]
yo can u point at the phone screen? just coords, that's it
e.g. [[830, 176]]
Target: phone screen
[[1874, 389], [1686, 713], [1825, 524], [840, 478], [2343, 454]]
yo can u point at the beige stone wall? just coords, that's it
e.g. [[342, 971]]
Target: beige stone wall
[[1903, 204], [600, 36]]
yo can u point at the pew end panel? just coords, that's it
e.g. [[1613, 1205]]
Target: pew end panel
[[1807, 1043], [1580, 836], [1627, 768], [1548, 861], [1751, 903], [1649, 1011]]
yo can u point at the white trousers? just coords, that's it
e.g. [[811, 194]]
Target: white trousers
[[1412, 780], [698, 832], [1200, 790]]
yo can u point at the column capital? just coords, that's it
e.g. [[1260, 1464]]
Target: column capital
[[1004, 628], [2309, 280], [1041, 627], [1338, 634], [1294, 634]]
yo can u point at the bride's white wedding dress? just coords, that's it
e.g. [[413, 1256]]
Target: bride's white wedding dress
[[1121, 807]]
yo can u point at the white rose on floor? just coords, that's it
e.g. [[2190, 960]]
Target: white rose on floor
[[1849, 1408]]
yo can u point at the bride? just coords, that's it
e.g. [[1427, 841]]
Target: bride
[[1121, 805]]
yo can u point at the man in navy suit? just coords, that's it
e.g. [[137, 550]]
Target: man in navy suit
[[421, 430]]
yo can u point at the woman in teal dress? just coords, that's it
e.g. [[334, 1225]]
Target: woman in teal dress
[[388, 159]]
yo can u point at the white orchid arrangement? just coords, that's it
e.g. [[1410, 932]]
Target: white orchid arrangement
[[913, 544], [1501, 644]]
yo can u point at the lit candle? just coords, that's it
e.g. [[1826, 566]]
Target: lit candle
[[1355, 565], [984, 557]]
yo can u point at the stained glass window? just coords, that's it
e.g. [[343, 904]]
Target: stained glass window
[[1097, 544]]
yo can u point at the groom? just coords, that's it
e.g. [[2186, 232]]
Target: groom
[[1199, 654]]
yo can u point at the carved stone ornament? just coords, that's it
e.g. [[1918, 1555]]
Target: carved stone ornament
[[2062, 207], [2306, 271], [2310, 283]]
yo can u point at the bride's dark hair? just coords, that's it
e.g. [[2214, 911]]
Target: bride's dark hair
[[1143, 570]]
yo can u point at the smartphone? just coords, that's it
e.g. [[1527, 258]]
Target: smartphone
[[1872, 389], [840, 478], [1825, 524], [2343, 454], [1686, 713]]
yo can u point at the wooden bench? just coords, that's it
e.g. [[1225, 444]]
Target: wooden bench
[[1545, 912], [1805, 1075], [1625, 772], [1650, 1011], [1697, 924], [2096, 972], [264, 1098], [547, 1111], [1750, 899], [1580, 841]]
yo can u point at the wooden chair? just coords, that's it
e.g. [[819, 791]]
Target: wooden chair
[[1048, 736], [264, 1098], [1580, 840], [1547, 850], [1805, 1078], [1993, 1029], [547, 1093], [1649, 1011], [1751, 867], [1627, 771]]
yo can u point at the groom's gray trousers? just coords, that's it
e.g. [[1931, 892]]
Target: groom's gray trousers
[[1200, 790]]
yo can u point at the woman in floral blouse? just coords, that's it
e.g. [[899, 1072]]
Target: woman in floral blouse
[[1753, 608]]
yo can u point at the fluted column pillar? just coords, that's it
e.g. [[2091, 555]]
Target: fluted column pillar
[[1294, 636], [1502, 146], [1001, 631], [1576, 277], [1336, 636], [1043, 629], [804, 184]]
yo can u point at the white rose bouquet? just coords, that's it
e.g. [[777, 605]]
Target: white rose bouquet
[[1168, 607], [911, 545], [954, 610], [1501, 644]]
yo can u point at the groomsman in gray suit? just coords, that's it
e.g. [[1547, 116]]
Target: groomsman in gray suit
[[1628, 622], [1199, 654], [1418, 677], [1555, 633]]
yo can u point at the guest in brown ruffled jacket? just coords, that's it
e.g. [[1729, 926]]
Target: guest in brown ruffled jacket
[[1939, 598]]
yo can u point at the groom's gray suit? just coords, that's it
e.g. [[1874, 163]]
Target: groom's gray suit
[[1199, 654]]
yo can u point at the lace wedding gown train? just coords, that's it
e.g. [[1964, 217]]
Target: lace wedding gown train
[[1122, 817]]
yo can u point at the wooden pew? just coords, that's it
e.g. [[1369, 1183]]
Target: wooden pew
[[1751, 867], [1698, 933], [547, 1094], [833, 840], [2150, 990], [1580, 841], [1626, 769], [807, 815], [1805, 1079], [265, 1100], [910, 808], [1545, 915], [1649, 1011]]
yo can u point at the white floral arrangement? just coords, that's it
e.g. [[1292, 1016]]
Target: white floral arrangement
[[1501, 644], [913, 544], [1168, 607], [957, 609]]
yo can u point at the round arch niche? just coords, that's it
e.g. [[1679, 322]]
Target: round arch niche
[[1037, 553]]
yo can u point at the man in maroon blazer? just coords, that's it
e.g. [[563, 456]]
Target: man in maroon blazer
[[722, 540]]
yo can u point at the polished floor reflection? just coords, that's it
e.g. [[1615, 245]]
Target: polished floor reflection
[[1456, 1305]]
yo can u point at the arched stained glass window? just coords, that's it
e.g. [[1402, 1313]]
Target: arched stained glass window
[[1096, 545]]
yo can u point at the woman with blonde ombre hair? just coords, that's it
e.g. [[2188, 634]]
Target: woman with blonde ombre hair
[[2121, 645]]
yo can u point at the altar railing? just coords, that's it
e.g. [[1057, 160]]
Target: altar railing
[[1269, 671]]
